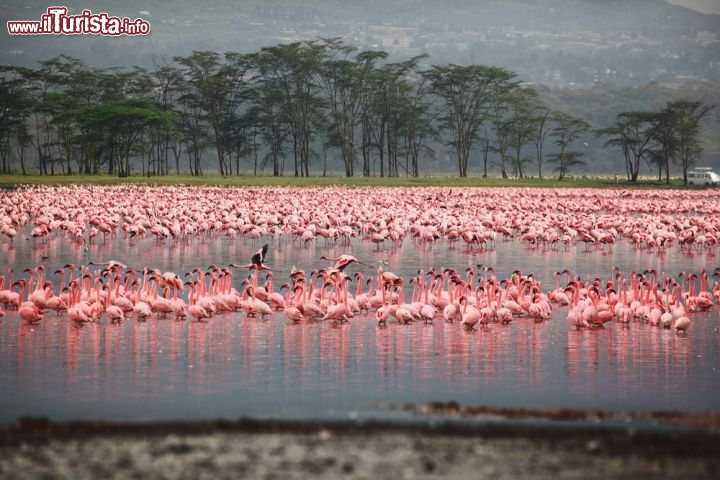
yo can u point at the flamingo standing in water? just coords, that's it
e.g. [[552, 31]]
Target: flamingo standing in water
[[704, 298], [681, 325], [276, 299], [29, 311], [304, 302], [75, 312], [427, 310], [381, 315], [383, 312], [9, 298], [340, 311], [37, 295], [362, 299], [142, 310], [197, 311], [253, 305], [159, 303], [575, 312], [113, 312], [55, 302], [470, 317], [451, 310], [291, 311]]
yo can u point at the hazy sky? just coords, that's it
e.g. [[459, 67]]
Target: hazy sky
[[705, 6]]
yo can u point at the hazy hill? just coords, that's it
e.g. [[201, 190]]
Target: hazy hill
[[546, 41], [595, 58]]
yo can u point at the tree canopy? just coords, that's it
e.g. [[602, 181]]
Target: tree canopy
[[307, 102]]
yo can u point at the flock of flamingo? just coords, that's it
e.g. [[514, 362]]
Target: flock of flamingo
[[653, 221]]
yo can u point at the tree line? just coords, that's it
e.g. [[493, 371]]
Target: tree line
[[288, 106]]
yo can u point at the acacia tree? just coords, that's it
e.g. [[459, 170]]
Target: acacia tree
[[687, 115], [270, 114], [14, 105], [566, 131], [66, 85], [167, 79], [87, 86], [663, 131], [541, 122], [503, 90], [632, 133], [522, 105], [377, 105], [192, 124], [343, 80], [21, 143], [120, 126], [391, 104], [485, 149], [466, 93], [137, 84], [404, 114], [416, 128], [65, 75], [212, 86], [293, 68], [239, 67], [42, 82]]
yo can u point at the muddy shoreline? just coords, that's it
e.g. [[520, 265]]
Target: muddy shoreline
[[248, 448]]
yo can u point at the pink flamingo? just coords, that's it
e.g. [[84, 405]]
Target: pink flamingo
[[451, 311], [427, 310], [142, 310], [575, 312], [362, 299], [275, 299], [55, 302], [253, 305], [196, 310], [306, 305], [291, 311], [29, 310], [338, 312], [681, 325], [159, 304], [470, 317], [113, 312], [704, 297], [343, 261], [75, 313], [9, 298]]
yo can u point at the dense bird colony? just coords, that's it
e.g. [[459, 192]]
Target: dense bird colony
[[653, 221]]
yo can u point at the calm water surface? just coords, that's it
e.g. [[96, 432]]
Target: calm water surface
[[236, 367]]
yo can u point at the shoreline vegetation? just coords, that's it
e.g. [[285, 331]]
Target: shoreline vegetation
[[326, 103], [316, 181]]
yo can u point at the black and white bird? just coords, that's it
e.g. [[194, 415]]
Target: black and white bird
[[257, 261]]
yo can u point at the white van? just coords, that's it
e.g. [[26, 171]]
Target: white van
[[703, 176]]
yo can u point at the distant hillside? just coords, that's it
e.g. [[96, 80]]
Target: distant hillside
[[534, 37]]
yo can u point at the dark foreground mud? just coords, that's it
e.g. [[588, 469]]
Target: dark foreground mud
[[34, 448]]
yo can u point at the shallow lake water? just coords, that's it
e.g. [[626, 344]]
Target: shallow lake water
[[235, 366]]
